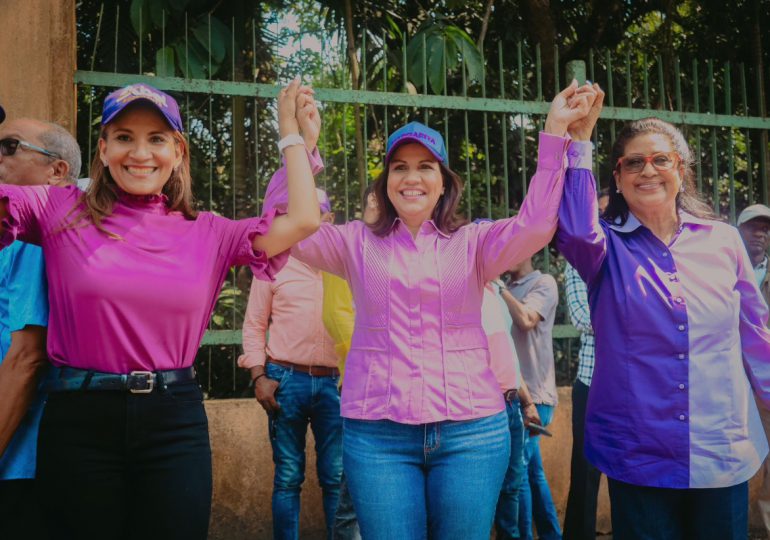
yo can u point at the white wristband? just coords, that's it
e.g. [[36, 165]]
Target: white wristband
[[290, 140]]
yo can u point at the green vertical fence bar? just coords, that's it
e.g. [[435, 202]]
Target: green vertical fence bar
[[595, 136], [385, 81], [763, 138], [256, 118], [522, 133], [678, 84], [117, 25], [714, 165], [212, 153], [504, 128], [446, 91], [646, 81], [661, 84], [749, 165], [467, 143], [629, 97], [487, 172], [610, 92], [365, 108], [345, 162], [696, 104], [539, 79], [406, 72], [425, 76], [91, 90], [556, 78], [730, 144], [141, 33]]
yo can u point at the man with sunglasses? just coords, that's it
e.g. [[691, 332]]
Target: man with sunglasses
[[31, 153]]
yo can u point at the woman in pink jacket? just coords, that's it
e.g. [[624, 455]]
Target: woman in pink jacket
[[426, 439]]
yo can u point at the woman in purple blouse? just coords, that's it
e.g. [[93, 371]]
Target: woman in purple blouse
[[681, 342], [426, 440], [134, 272]]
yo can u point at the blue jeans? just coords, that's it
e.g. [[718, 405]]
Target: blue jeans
[[438, 480], [345, 520], [304, 399], [535, 496], [507, 513], [648, 513]]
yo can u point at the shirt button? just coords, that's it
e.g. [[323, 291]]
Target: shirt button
[[679, 299], [672, 277], [665, 253], [682, 417], [681, 356], [681, 387], [681, 327]]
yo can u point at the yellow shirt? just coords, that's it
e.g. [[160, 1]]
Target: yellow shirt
[[338, 316]]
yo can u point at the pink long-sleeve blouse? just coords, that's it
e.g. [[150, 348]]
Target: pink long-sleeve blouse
[[419, 353]]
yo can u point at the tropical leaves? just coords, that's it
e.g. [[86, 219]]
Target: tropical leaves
[[440, 48]]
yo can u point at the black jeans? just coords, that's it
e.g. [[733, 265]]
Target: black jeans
[[116, 465], [20, 515], [580, 517], [648, 513]]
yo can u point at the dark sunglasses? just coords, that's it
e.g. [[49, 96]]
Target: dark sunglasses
[[8, 147]]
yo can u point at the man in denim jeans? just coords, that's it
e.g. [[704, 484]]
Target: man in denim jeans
[[295, 378], [531, 299]]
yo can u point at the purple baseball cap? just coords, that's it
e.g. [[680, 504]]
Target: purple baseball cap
[[419, 133], [2, 114], [120, 99]]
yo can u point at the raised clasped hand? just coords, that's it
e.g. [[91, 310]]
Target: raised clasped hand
[[570, 105], [582, 128], [308, 117], [287, 109]]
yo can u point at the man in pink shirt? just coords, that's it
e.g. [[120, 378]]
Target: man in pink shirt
[[295, 378]]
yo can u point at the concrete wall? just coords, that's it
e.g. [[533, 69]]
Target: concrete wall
[[37, 65], [243, 472]]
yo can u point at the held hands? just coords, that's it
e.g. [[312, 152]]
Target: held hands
[[581, 129], [298, 112], [569, 106]]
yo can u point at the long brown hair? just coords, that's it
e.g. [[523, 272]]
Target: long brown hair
[[98, 201], [444, 215], [689, 200]]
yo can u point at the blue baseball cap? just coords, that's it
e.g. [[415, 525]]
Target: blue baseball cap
[[122, 98], [419, 133], [2, 114]]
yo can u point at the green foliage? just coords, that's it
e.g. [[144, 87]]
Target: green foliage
[[439, 47]]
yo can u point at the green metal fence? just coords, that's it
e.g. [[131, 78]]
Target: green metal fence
[[490, 124]]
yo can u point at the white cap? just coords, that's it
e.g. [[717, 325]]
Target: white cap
[[753, 212]]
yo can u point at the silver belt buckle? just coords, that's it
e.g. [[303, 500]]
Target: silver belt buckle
[[150, 382]]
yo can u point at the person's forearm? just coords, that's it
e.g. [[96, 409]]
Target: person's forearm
[[19, 375], [303, 201], [522, 317], [525, 398]]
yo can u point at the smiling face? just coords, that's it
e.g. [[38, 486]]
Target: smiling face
[[650, 189], [140, 150], [415, 183]]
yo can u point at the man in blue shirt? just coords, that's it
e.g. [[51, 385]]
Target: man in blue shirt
[[31, 153]]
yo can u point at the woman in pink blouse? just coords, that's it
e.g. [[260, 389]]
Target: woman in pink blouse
[[134, 272], [426, 439]]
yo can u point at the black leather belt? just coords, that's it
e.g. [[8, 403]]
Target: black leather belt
[[511, 395], [66, 379]]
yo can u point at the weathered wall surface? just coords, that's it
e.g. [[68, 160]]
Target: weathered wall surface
[[243, 472], [38, 41]]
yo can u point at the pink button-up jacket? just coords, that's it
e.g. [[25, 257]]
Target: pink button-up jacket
[[419, 353]]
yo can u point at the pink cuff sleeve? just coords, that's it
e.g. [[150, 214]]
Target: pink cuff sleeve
[[262, 267]]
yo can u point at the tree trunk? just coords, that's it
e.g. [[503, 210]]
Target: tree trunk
[[756, 42], [542, 30]]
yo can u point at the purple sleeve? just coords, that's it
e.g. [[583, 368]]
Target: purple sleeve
[[755, 335], [25, 208], [506, 242], [580, 237], [238, 246]]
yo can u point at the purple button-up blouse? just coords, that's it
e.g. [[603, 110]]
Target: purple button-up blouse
[[681, 343], [419, 353], [141, 302]]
